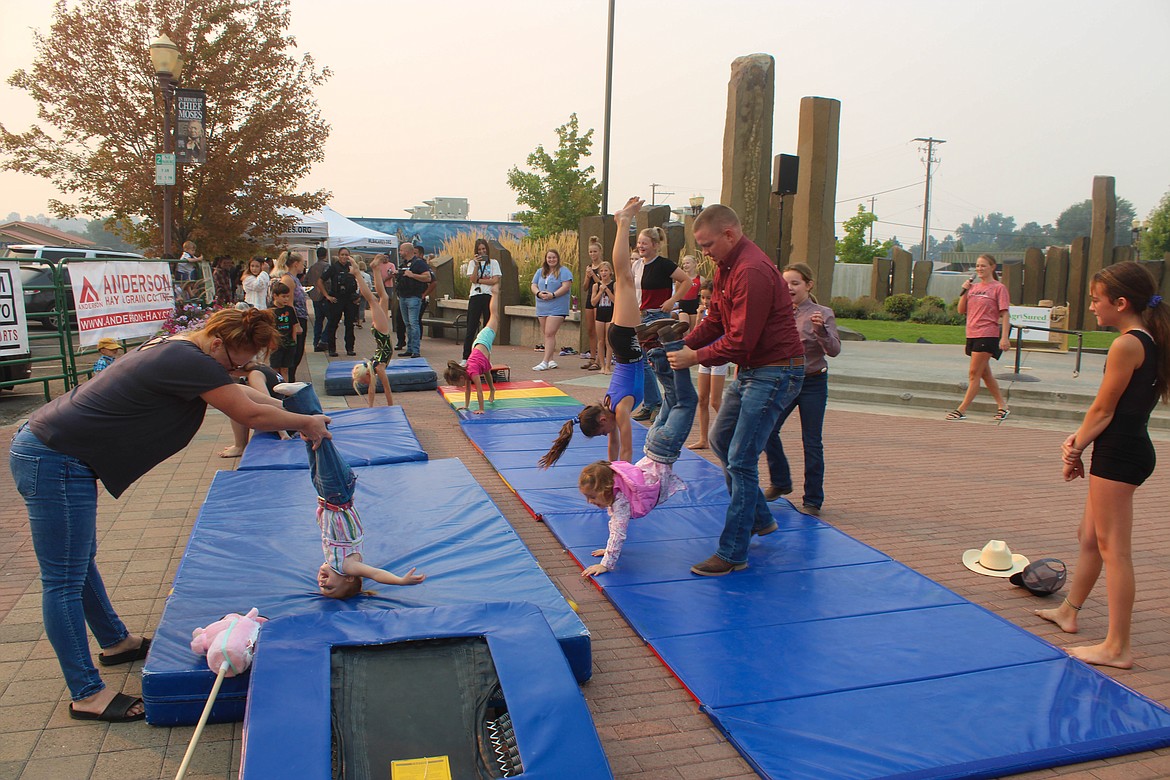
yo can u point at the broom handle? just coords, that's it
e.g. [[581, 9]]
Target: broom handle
[[202, 721]]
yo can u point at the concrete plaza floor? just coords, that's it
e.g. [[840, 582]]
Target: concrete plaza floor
[[898, 477]]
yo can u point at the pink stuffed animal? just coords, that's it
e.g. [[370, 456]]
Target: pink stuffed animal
[[230, 641]]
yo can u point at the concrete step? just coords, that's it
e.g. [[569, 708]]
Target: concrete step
[[1025, 402]]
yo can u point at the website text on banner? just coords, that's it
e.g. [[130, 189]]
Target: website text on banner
[[13, 325], [121, 299]]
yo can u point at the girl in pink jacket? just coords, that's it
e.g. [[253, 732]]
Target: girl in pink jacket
[[625, 490]]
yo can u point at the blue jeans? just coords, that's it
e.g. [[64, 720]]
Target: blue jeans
[[61, 495], [813, 397], [651, 397], [665, 439], [332, 476], [412, 315], [751, 406]]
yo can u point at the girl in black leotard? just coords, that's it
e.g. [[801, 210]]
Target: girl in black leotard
[[1124, 296]]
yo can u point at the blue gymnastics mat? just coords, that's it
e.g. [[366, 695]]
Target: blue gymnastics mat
[[554, 732], [364, 437], [827, 659], [256, 544], [405, 375]]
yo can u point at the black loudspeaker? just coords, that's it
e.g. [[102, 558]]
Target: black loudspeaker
[[786, 167]]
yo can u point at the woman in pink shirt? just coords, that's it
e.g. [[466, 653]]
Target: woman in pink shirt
[[986, 305]]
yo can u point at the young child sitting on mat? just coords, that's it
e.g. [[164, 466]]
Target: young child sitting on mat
[[479, 362], [363, 373], [340, 577]]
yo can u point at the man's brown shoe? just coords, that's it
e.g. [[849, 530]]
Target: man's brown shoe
[[767, 529], [771, 493], [716, 567]]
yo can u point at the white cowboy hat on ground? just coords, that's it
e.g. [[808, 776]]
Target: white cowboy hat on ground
[[994, 560]]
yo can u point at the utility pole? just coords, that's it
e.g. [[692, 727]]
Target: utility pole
[[654, 193], [872, 200], [930, 159], [608, 101]]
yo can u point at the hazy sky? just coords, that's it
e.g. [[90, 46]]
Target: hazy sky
[[441, 99]]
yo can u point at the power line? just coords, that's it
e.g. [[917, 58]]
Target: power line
[[956, 230], [883, 192]]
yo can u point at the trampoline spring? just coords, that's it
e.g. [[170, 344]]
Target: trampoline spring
[[505, 721]]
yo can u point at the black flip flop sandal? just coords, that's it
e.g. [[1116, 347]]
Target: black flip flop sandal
[[126, 657], [115, 711]]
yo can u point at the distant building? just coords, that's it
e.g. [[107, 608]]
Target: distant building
[[440, 208], [32, 233]]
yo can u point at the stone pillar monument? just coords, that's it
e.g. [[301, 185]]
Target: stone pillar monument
[[509, 288], [747, 143], [1079, 317], [1102, 237], [1033, 277], [1056, 275], [602, 227], [813, 231]]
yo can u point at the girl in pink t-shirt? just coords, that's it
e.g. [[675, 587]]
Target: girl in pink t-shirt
[[986, 305]]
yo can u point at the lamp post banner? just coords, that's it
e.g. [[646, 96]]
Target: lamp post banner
[[121, 300], [190, 133]]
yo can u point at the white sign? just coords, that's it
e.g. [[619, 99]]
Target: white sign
[[13, 325], [121, 299], [164, 170], [1040, 316]]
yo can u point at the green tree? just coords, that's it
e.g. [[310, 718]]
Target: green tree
[[854, 247], [100, 110], [557, 191], [987, 233], [1077, 221], [1156, 236]]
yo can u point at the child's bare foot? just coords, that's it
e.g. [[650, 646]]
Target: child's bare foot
[[699, 445], [1064, 616], [1100, 655], [231, 452]]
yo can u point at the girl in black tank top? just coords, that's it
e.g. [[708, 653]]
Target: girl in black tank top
[[1124, 296]]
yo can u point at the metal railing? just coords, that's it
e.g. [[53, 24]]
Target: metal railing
[[61, 360], [1020, 343]]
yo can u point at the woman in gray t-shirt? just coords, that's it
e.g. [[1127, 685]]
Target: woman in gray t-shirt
[[141, 410]]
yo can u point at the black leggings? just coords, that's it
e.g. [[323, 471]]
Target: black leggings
[[624, 342], [300, 348], [478, 309]]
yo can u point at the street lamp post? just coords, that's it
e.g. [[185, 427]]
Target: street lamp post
[[168, 66]]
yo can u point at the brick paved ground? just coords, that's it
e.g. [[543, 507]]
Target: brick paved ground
[[922, 490]]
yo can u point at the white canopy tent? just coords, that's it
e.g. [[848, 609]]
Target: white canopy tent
[[335, 231]]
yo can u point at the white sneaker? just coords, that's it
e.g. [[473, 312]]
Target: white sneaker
[[289, 388], [541, 366], [551, 364]]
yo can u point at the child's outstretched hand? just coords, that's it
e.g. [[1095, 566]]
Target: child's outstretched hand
[[410, 578], [594, 570]]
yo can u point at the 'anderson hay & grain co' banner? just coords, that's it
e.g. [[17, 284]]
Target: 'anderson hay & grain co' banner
[[122, 299]]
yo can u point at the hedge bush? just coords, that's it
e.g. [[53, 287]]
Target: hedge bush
[[899, 306]]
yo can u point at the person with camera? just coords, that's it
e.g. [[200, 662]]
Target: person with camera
[[342, 297]]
